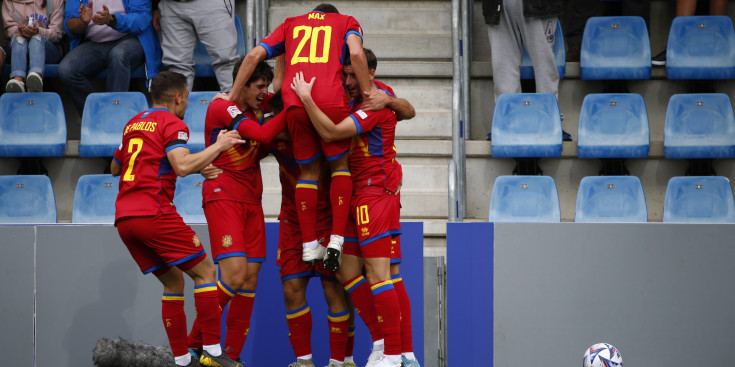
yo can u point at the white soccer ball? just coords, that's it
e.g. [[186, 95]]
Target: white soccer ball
[[602, 355]]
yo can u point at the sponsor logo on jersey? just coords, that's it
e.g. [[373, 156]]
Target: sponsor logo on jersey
[[362, 114], [233, 111], [226, 240], [183, 136], [365, 231], [196, 241]]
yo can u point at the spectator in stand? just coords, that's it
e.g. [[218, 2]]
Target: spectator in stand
[[181, 21], [685, 8], [112, 35], [578, 11], [34, 29], [512, 24]]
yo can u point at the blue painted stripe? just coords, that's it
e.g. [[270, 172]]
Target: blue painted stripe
[[190, 257], [305, 274]]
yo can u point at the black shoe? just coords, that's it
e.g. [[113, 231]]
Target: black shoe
[[221, 360], [660, 59], [565, 136]]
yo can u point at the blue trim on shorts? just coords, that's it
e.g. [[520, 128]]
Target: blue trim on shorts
[[309, 160], [376, 237], [190, 257], [153, 268], [327, 277], [351, 239], [338, 156], [229, 254], [256, 259], [305, 274], [396, 260]]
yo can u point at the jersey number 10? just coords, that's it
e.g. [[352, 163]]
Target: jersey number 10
[[313, 34]]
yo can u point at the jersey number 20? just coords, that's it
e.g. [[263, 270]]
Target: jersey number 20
[[134, 146], [313, 34]]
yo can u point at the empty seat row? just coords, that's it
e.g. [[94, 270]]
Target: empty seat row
[[699, 47], [614, 126], [33, 124], [29, 199], [606, 199]]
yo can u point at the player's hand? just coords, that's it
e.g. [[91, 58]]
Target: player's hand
[[102, 17], [376, 101], [301, 87], [156, 21], [224, 95], [211, 172], [85, 12], [226, 139]]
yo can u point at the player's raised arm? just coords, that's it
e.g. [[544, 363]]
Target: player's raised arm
[[186, 163], [327, 129], [359, 65], [253, 57]]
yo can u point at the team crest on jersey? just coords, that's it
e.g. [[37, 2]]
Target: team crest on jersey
[[226, 240], [233, 111], [362, 114], [196, 241], [183, 136]]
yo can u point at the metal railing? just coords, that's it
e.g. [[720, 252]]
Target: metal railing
[[461, 55]]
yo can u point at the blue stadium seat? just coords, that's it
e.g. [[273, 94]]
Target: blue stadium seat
[[32, 125], [610, 199], [526, 125], [699, 199], [524, 199], [615, 48], [560, 54], [27, 200], [196, 111], [104, 118], [52, 71], [701, 47], [188, 198], [613, 126], [699, 126], [94, 199], [202, 60]]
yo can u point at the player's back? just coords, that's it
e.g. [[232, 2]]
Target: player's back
[[148, 181], [315, 44]]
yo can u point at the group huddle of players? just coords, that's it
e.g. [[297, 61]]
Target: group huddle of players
[[331, 128]]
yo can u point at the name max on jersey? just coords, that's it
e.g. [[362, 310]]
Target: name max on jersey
[[143, 125], [316, 16]]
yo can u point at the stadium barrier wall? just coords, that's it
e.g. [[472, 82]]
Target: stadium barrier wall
[[81, 285], [521, 294]]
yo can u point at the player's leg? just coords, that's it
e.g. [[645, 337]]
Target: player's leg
[[409, 359], [307, 152], [338, 318], [173, 314], [349, 351], [298, 318]]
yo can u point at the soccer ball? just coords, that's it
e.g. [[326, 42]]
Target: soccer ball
[[602, 355]]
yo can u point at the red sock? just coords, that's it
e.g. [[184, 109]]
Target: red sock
[[238, 322], [224, 294], [405, 302], [388, 313], [174, 320], [362, 299], [299, 330], [306, 197], [339, 324], [340, 193], [350, 340], [208, 312]]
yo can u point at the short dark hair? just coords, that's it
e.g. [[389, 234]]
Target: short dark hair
[[262, 70], [372, 60], [276, 103], [326, 8], [165, 85]]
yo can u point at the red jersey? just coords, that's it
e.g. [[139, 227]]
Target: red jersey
[[289, 174], [315, 44], [148, 181], [241, 180], [372, 154]]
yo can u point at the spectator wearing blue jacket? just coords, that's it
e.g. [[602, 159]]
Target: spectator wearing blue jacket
[[112, 35]]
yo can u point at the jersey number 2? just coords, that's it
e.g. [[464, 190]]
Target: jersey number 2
[[312, 33], [134, 146]]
